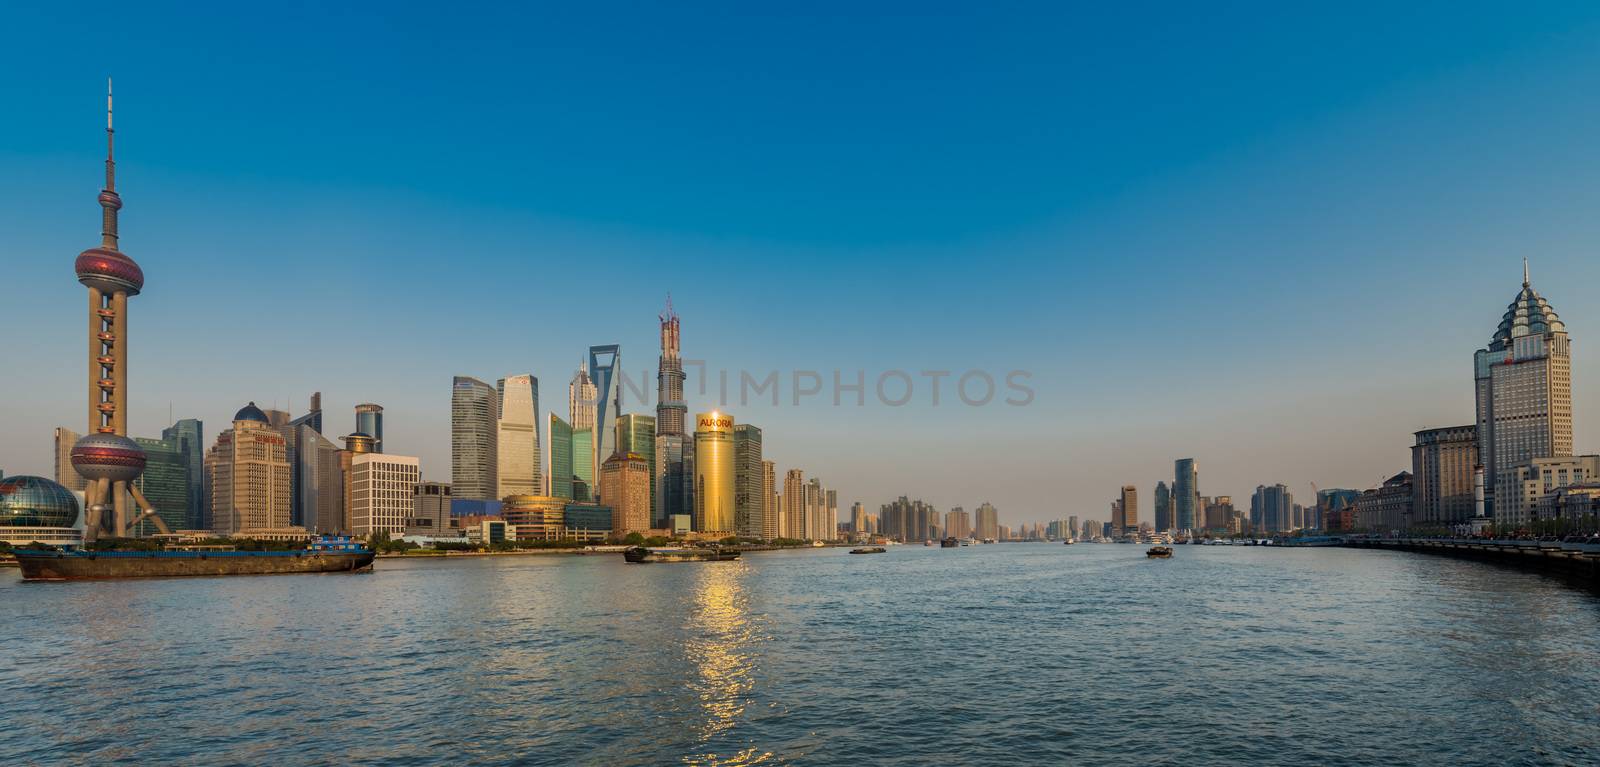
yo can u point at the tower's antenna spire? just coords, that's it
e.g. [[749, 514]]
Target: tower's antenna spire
[[1525, 282], [111, 163], [109, 200]]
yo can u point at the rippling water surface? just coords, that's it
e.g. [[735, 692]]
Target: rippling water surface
[[1005, 654]]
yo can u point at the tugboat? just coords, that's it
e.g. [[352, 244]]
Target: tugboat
[[949, 543], [1159, 552], [641, 555], [869, 550], [328, 554]]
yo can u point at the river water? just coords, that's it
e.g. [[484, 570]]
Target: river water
[[1002, 654]]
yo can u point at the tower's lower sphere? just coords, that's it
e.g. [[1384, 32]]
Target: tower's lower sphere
[[108, 456]]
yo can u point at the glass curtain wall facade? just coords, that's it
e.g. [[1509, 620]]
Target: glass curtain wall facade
[[1185, 494], [604, 362], [165, 483], [715, 473], [474, 439], [636, 434], [518, 470], [560, 437], [749, 496]]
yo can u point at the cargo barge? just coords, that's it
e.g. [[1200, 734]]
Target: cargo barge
[[640, 554], [323, 556]]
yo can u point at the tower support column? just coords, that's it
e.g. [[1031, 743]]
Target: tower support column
[[94, 356], [119, 395]]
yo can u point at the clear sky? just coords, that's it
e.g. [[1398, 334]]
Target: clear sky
[[1267, 237]]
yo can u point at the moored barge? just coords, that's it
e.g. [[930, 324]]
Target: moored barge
[[328, 555], [641, 554]]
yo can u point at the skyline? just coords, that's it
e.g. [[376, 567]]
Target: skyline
[[1180, 400]]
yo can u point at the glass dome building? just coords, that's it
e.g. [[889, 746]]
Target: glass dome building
[[37, 509]]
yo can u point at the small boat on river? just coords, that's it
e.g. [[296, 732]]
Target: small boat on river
[[1159, 552]]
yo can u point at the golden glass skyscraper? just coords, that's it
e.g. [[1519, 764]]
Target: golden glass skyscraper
[[715, 467]]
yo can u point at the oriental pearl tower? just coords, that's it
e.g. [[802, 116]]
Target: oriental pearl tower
[[106, 457]]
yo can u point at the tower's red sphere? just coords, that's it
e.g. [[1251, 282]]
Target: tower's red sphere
[[109, 270]]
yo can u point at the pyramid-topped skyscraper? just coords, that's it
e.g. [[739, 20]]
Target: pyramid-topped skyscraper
[[1524, 399]]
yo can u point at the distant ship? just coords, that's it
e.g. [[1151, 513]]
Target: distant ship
[[640, 555], [324, 555], [949, 543]]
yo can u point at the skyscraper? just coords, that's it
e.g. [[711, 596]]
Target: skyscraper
[[958, 523], [247, 477], [301, 435], [583, 468], [605, 362], [715, 473], [560, 439], [674, 452], [106, 458], [670, 407], [517, 455], [831, 504], [474, 439], [1271, 509], [382, 493], [674, 465], [988, 522], [637, 434], [1186, 495], [816, 512], [1163, 502], [1219, 514], [625, 486], [1524, 396], [1442, 466], [369, 421], [1130, 509], [190, 434], [792, 523], [769, 495], [581, 395], [67, 476], [749, 494], [165, 482], [313, 416], [319, 489]]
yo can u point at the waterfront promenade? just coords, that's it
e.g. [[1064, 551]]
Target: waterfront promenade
[[1579, 562]]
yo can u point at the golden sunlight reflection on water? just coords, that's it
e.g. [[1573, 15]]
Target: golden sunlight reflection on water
[[721, 634]]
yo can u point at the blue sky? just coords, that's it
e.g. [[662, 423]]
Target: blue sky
[[1265, 237]]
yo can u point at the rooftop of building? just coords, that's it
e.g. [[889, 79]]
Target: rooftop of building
[[1529, 314]]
